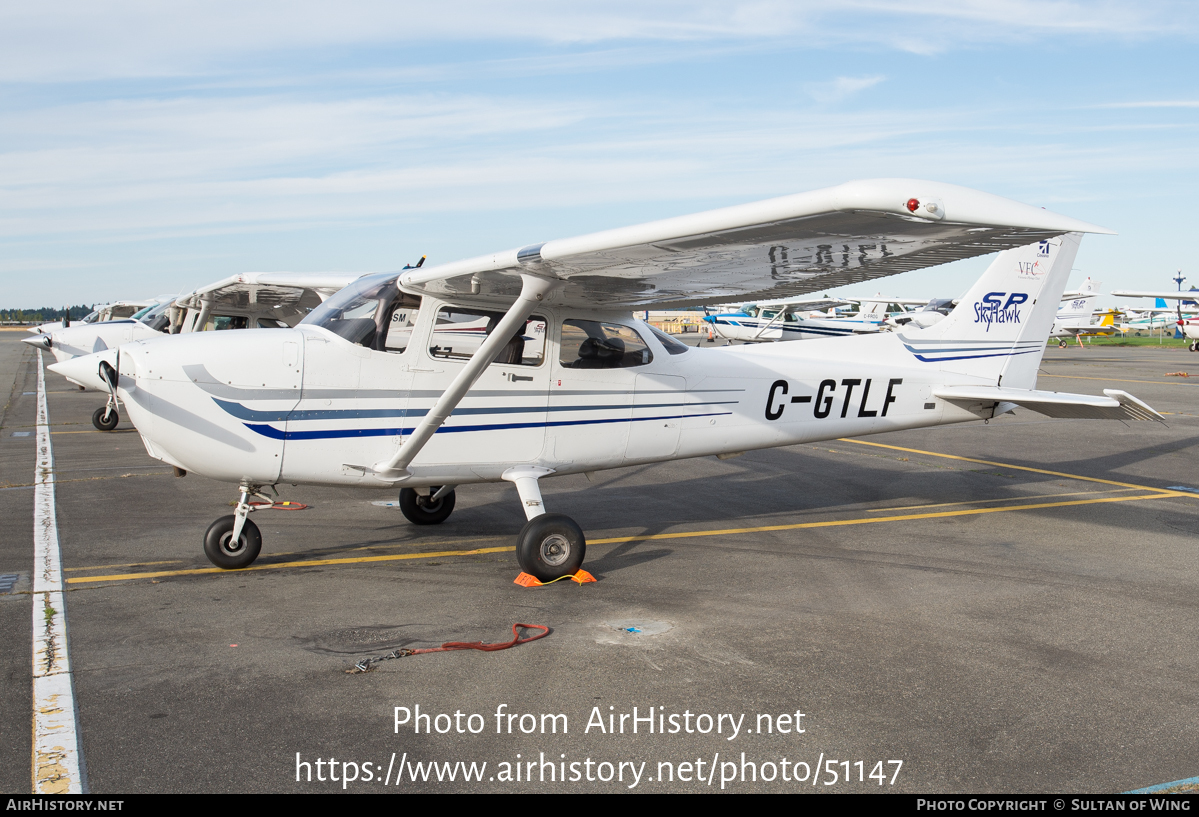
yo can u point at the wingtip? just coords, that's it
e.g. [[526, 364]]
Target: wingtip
[[954, 203]]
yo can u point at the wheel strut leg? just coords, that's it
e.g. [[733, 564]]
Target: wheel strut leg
[[525, 478], [239, 516]]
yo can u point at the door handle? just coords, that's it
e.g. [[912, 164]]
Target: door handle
[[514, 377]]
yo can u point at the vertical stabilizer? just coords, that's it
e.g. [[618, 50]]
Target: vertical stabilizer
[[1079, 305], [998, 330]]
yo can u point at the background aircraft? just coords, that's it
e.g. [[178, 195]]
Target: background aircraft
[[1189, 326], [105, 312], [1076, 316], [805, 318], [262, 300]]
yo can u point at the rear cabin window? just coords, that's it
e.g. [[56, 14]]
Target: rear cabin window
[[271, 323], [597, 345], [222, 322], [672, 345], [458, 334]]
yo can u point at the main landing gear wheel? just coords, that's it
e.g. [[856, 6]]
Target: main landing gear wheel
[[105, 419], [1195, 346], [1061, 344], [423, 510], [223, 552], [551, 546]]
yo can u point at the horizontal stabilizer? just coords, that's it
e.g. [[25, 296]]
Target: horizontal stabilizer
[[1116, 405]]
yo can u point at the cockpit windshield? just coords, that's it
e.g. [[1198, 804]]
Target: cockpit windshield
[[361, 312], [137, 316], [156, 317]]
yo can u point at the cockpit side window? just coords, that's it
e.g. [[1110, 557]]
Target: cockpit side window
[[459, 332], [400, 321], [600, 345]]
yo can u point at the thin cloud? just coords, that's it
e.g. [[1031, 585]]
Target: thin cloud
[[840, 88], [75, 41], [1179, 103]]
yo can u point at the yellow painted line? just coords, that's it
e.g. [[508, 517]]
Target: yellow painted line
[[279, 565], [1016, 467], [82, 479], [127, 564], [1001, 499], [836, 523], [1175, 382], [96, 431], [443, 543]]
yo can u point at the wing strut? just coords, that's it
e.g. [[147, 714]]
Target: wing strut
[[778, 315], [533, 291]]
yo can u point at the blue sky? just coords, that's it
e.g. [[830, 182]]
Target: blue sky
[[150, 148]]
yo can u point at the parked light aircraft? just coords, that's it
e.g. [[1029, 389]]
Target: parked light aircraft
[[1076, 315], [344, 399], [1189, 326], [261, 300], [925, 316], [105, 312], [800, 318]]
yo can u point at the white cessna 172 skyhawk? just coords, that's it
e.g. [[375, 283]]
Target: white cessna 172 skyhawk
[[353, 397]]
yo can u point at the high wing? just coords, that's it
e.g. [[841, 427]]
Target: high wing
[[300, 290], [769, 249]]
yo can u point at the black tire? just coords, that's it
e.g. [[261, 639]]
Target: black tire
[[217, 544], [420, 511], [551, 546], [1061, 344], [105, 425]]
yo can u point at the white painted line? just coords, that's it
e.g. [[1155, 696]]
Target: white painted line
[[56, 751]]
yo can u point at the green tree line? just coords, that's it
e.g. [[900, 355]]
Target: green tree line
[[43, 314]]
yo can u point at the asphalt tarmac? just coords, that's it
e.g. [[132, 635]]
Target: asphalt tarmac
[[1003, 607]]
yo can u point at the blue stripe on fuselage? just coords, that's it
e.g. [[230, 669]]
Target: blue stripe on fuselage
[[341, 433], [242, 412]]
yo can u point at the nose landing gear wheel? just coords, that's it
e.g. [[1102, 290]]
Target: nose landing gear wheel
[[551, 546], [105, 423], [1195, 346], [422, 510], [223, 552]]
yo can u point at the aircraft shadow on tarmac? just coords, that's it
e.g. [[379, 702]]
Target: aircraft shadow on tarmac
[[769, 487]]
